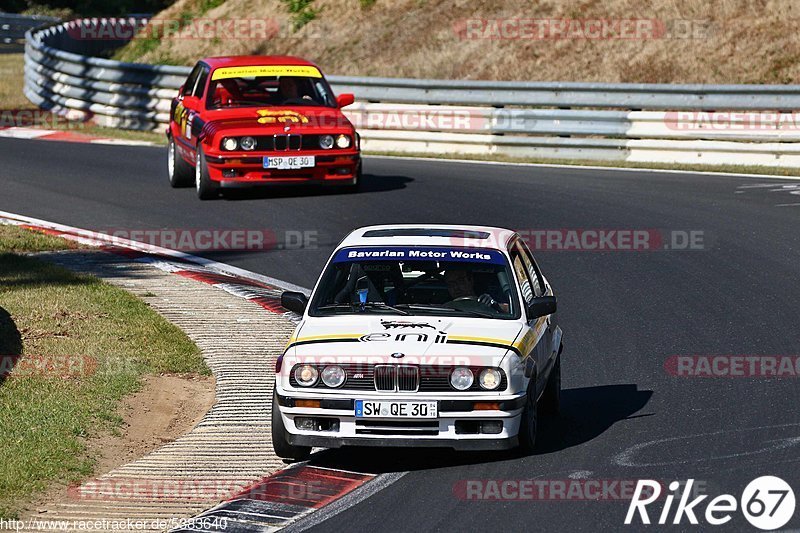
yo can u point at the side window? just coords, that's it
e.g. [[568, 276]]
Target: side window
[[200, 86], [532, 268], [522, 274], [191, 81]]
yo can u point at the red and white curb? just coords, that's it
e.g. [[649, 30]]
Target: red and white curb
[[279, 500], [17, 132], [288, 495]]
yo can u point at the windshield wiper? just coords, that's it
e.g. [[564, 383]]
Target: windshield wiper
[[367, 305], [418, 307]]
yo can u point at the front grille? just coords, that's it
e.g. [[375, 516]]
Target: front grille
[[292, 141], [391, 378], [385, 376], [407, 378], [280, 143]]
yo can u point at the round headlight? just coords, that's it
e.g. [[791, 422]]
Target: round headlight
[[306, 375], [247, 143], [326, 141], [461, 378], [489, 378], [333, 376], [343, 141], [230, 143]]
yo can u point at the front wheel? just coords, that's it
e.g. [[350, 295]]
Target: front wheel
[[180, 172], [530, 421], [280, 443], [206, 189]]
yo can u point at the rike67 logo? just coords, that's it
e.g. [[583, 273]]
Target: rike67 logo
[[767, 502]]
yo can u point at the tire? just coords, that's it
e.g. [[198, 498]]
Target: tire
[[551, 398], [530, 421], [180, 172], [280, 443], [206, 189]]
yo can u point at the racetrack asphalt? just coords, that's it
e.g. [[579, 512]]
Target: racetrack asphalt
[[624, 313]]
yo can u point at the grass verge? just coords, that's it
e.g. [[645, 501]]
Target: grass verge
[[71, 347], [12, 67], [735, 169]]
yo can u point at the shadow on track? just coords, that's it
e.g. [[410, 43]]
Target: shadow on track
[[586, 413], [369, 183]]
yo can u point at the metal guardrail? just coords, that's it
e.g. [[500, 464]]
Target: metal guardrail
[[648, 122], [13, 27]]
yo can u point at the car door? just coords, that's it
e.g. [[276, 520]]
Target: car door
[[542, 288], [529, 343], [535, 340], [188, 108]]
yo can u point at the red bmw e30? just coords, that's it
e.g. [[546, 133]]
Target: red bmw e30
[[260, 120]]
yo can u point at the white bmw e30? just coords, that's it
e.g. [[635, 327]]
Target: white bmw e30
[[420, 335]]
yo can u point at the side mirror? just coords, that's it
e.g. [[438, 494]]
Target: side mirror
[[294, 301], [542, 306], [344, 100]]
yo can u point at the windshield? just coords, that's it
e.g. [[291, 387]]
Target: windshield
[[244, 87], [417, 281]]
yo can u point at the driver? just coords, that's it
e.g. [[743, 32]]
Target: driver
[[461, 284], [287, 87], [290, 89]]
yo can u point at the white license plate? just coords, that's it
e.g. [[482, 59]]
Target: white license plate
[[386, 409], [289, 162]]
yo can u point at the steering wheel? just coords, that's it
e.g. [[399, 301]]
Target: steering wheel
[[298, 101], [464, 299]]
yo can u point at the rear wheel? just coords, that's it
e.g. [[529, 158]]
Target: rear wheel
[[180, 172], [551, 398], [279, 441], [530, 421], [206, 189]]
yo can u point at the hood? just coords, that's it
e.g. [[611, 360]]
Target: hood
[[420, 339], [269, 120]]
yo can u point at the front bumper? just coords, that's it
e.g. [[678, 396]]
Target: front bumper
[[319, 441], [248, 171], [446, 431]]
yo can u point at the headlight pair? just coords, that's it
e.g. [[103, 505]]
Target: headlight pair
[[333, 376], [232, 143], [462, 378], [326, 142]]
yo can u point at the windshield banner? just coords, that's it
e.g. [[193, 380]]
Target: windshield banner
[[419, 253]]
